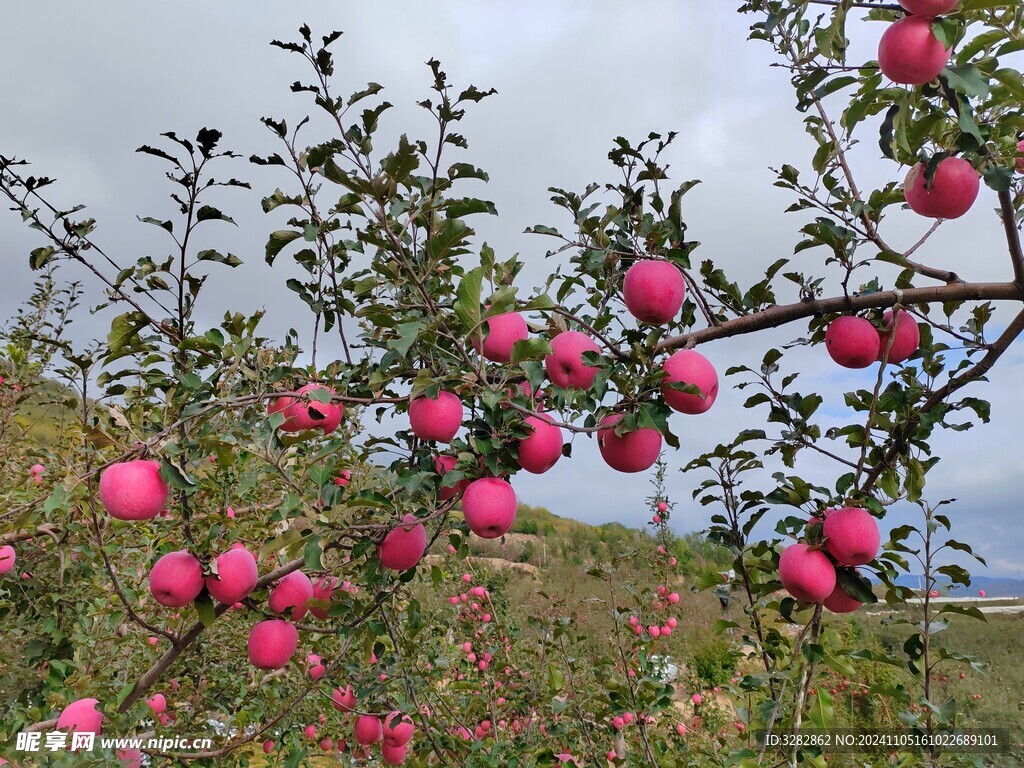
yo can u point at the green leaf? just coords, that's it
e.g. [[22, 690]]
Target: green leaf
[[467, 300], [206, 609], [211, 255], [407, 335], [40, 257], [532, 348], [277, 241]]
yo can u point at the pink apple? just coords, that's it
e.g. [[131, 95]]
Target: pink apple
[[302, 414], [393, 755], [268, 746], [565, 365], [7, 559], [501, 332], [403, 547], [690, 367], [539, 452], [840, 602], [129, 758], [852, 341], [909, 53], [326, 745], [807, 574], [37, 469], [489, 506], [929, 8], [907, 341], [398, 729], [368, 730], [952, 191], [133, 490], [436, 418], [981, 593], [633, 451], [851, 535], [323, 590], [344, 700], [272, 644], [80, 717], [236, 576], [157, 703], [653, 291], [176, 579], [443, 464], [292, 591]]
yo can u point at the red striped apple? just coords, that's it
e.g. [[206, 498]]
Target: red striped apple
[[951, 192], [539, 452], [565, 365], [852, 341], [368, 730], [633, 451], [807, 574], [133, 490], [690, 367], [909, 53], [501, 332], [489, 506], [272, 644], [436, 418], [236, 576], [403, 547], [908, 337], [851, 535], [653, 290], [292, 591], [176, 579]]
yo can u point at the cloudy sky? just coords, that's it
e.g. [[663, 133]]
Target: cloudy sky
[[88, 83]]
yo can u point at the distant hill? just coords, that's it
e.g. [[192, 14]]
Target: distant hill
[[994, 587]]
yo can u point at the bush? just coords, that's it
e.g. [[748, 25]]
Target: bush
[[714, 662]]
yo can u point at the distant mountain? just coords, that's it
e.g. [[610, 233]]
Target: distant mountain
[[994, 587]]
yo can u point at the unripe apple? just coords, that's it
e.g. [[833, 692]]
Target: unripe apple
[[403, 547], [133, 490], [565, 365], [7, 559], [539, 452], [236, 576], [292, 591], [81, 717], [323, 590], [344, 700], [929, 8], [393, 755], [840, 602], [398, 729], [852, 341], [653, 291], [909, 53], [851, 535], [907, 341], [501, 333], [489, 506], [176, 579], [952, 191], [368, 730], [690, 367], [633, 451], [306, 414], [807, 574], [443, 464], [436, 418], [272, 644]]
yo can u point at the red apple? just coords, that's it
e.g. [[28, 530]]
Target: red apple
[[807, 574], [539, 452], [236, 576], [403, 547], [133, 490], [909, 53], [129, 758], [343, 700], [176, 579], [368, 730], [272, 644], [7, 559], [852, 341], [501, 332], [565, 365], [851, 535], [443, 464], [929, 8], [436, 418], [908, 337], [1020, 159], [393, 755], [690, 367], [323, 590], [952, 191], [398, 729], [81, 717], [302, 414], [292, 591], [268, 746], [840, 602], [489, 506], [157, 703], [653, 291], [633, 451]]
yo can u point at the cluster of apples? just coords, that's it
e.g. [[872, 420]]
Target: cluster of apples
[[853, 342], [808, 573], [909, 53]]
